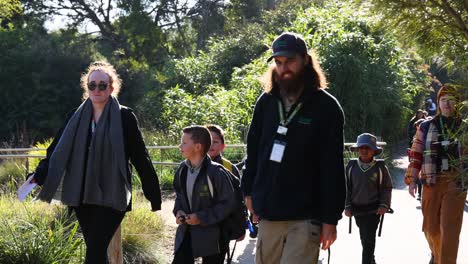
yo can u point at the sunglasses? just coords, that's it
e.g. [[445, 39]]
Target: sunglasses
[[101, 86]]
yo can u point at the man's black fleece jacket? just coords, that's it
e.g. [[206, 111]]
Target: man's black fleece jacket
[[309, 183]]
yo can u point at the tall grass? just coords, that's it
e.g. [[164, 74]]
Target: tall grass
[[12, 174], [41, 145], [38, 233], [142, 231]]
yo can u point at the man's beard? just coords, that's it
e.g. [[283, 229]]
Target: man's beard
[[290, 85]]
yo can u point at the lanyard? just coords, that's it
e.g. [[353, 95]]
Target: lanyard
[[283, 121], [445, 136], [93, 126]]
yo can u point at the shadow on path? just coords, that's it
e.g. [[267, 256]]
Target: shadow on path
[[399, 164], [248, 252]]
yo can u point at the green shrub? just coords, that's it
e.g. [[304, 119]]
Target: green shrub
[[33, 162], [12, 174], [141, 232], [373, 79], [38, 233]]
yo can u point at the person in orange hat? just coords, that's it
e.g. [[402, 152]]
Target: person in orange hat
[[433, 156]]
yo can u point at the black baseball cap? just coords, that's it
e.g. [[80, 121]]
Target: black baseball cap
[[288, 45]]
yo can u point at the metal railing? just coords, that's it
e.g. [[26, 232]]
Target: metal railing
[[25, 153], [26, 156]]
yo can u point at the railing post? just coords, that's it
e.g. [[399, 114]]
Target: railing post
[[27, 166], [114, 251]]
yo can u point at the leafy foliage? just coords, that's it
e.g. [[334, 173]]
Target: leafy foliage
[[438, 27], [39, 79], [371, 77], [8, 10], [34, 235]]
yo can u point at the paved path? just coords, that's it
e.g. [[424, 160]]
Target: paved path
[[402, 240]]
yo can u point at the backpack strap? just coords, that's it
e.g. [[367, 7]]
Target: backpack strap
[[380, 164], [209, 171], [226, 164], [210, 185], [349, 169]]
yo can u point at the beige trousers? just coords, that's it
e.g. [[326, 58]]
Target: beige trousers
[[442, 208], [286, 242]]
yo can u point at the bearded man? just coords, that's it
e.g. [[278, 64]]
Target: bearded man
[[294, 180]]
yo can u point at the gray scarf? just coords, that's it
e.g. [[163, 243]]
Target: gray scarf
[[92, 175]]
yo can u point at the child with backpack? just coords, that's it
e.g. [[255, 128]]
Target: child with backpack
[[368, 192], [204, 199], [217, 147], [239, 218]]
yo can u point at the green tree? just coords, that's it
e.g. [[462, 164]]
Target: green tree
[[9, 9], [438, 27], [39, 76], [370, 75]]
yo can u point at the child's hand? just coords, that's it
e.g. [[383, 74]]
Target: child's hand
[[348, 212], [381, 210], [180, 217], [192, 219]]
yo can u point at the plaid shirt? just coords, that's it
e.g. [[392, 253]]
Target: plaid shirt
[[424, 154]]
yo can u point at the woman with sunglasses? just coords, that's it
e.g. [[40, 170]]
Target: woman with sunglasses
[[87, 165], [436, 152]]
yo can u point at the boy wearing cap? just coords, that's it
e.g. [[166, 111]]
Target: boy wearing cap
[[293, 182], [368, 192]]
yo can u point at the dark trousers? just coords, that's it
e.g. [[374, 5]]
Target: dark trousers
[[98, 225], [367, 224], [184, 253], [419, 183]]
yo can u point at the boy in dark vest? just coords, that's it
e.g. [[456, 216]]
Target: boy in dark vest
[[202, 202], [217, 147], [368, 192]]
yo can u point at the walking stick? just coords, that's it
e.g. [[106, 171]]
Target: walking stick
[[390, 211], [380, 224], [350, 224], [231, 254]]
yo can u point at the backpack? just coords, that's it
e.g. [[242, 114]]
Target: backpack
[[226, 164], [233, 227], [380, 163]]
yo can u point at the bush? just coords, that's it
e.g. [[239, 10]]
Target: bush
[[41, 145], [38, 233], [372, 78], [12, 174], [141, 232]]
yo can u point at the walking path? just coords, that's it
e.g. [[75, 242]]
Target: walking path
[[402, 240]]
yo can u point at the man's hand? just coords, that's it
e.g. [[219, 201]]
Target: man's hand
[[248, 204], [192, 219], [381, 210], [412, 189], [328, 235], [348, 212], [180, 217]]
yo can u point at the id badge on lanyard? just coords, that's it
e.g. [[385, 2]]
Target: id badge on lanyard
[[277, 151]]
